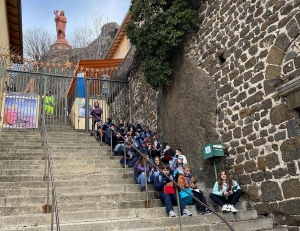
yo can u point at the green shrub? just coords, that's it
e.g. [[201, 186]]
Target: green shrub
[[157, 27]]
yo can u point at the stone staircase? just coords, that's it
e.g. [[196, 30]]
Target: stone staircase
[[91, 191]]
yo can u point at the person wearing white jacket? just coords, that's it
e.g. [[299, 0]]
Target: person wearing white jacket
[[226, 192]]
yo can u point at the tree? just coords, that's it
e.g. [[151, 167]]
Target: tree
[[86, 36], [157, 27], [36, 41]]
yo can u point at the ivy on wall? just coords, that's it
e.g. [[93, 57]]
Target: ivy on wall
[[157, 27]]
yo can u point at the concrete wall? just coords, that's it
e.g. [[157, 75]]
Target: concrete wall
[[4, 36], [122, 49]]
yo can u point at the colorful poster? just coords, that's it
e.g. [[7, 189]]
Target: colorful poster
[[81, 110], [20, 110]]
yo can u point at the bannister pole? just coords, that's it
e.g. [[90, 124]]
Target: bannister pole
[[178, 207]]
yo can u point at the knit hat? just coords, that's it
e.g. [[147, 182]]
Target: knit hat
[[138, 126]]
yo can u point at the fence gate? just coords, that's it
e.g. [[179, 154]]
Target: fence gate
[[31, 89]]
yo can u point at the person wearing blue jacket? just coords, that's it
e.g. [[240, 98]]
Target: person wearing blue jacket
[[160, 182], [226, 192]]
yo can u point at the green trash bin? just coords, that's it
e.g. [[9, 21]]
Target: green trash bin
[[213, 150]]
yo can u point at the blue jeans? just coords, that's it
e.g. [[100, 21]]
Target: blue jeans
[[169, 200], [119, 148], [152, 177], [141, 179], [129, 162]]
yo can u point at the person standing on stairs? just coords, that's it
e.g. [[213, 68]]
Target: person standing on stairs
[[162, 185], [226, 192], [96, 114]]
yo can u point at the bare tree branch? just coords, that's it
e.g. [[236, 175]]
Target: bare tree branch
[[36, 41]]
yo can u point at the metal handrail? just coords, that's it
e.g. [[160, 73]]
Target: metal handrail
[[48, 163], [70, 109], [175, 183]]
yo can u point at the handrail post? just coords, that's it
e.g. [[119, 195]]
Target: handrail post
[[178, 207], [52, 212], [125, 173], [111, 139], [147, 204], [48, 185]]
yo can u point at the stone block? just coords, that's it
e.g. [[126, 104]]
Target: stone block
[[273, 71], [282, 42], [291, 188], [239, 159], [275, 56], [293, 128], [267, 104], [263, 208], [238, 169], [253, 153], [244, 179], [290, 207], [250, 166], [280, 136], [279, 114], [224, 90], [247, 130], [250, 63], [237, 132], [253, 192], [290, 149], [258, 176], [267, 41], [256, 98], [279, 173], [261, 163], [271, 160], [292, 29], [227, 136], [270, 191], [244, 112], [259, 142]]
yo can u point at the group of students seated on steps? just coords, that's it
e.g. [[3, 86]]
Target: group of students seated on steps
[[173, 165]]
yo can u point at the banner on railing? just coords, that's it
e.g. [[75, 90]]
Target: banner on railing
[[20, 110]]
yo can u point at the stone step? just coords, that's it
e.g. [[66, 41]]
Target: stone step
[[75, 190], [192, 223], [40, 164], [68, 177], [69, 170], [61, 162], [76, 207], [64, 198], [66, 183]]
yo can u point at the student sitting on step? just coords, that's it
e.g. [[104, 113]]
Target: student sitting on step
[[165, 191], [226, 192], [131, 156], [186, 180], [119, 148], [142, 166], [154, 170]]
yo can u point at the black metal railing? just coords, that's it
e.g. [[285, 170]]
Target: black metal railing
[[49, 176]]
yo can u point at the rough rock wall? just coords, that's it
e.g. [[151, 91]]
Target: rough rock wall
[[187, 114], [140, 103], [247, 47]]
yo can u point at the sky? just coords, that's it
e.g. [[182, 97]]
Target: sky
[[40, 13]]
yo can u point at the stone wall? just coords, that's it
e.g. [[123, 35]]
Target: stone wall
[[224, 88], [248, 47]]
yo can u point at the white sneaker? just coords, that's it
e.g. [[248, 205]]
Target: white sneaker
[[232, 209], [186, 212], [225, 209], [172, 214]]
